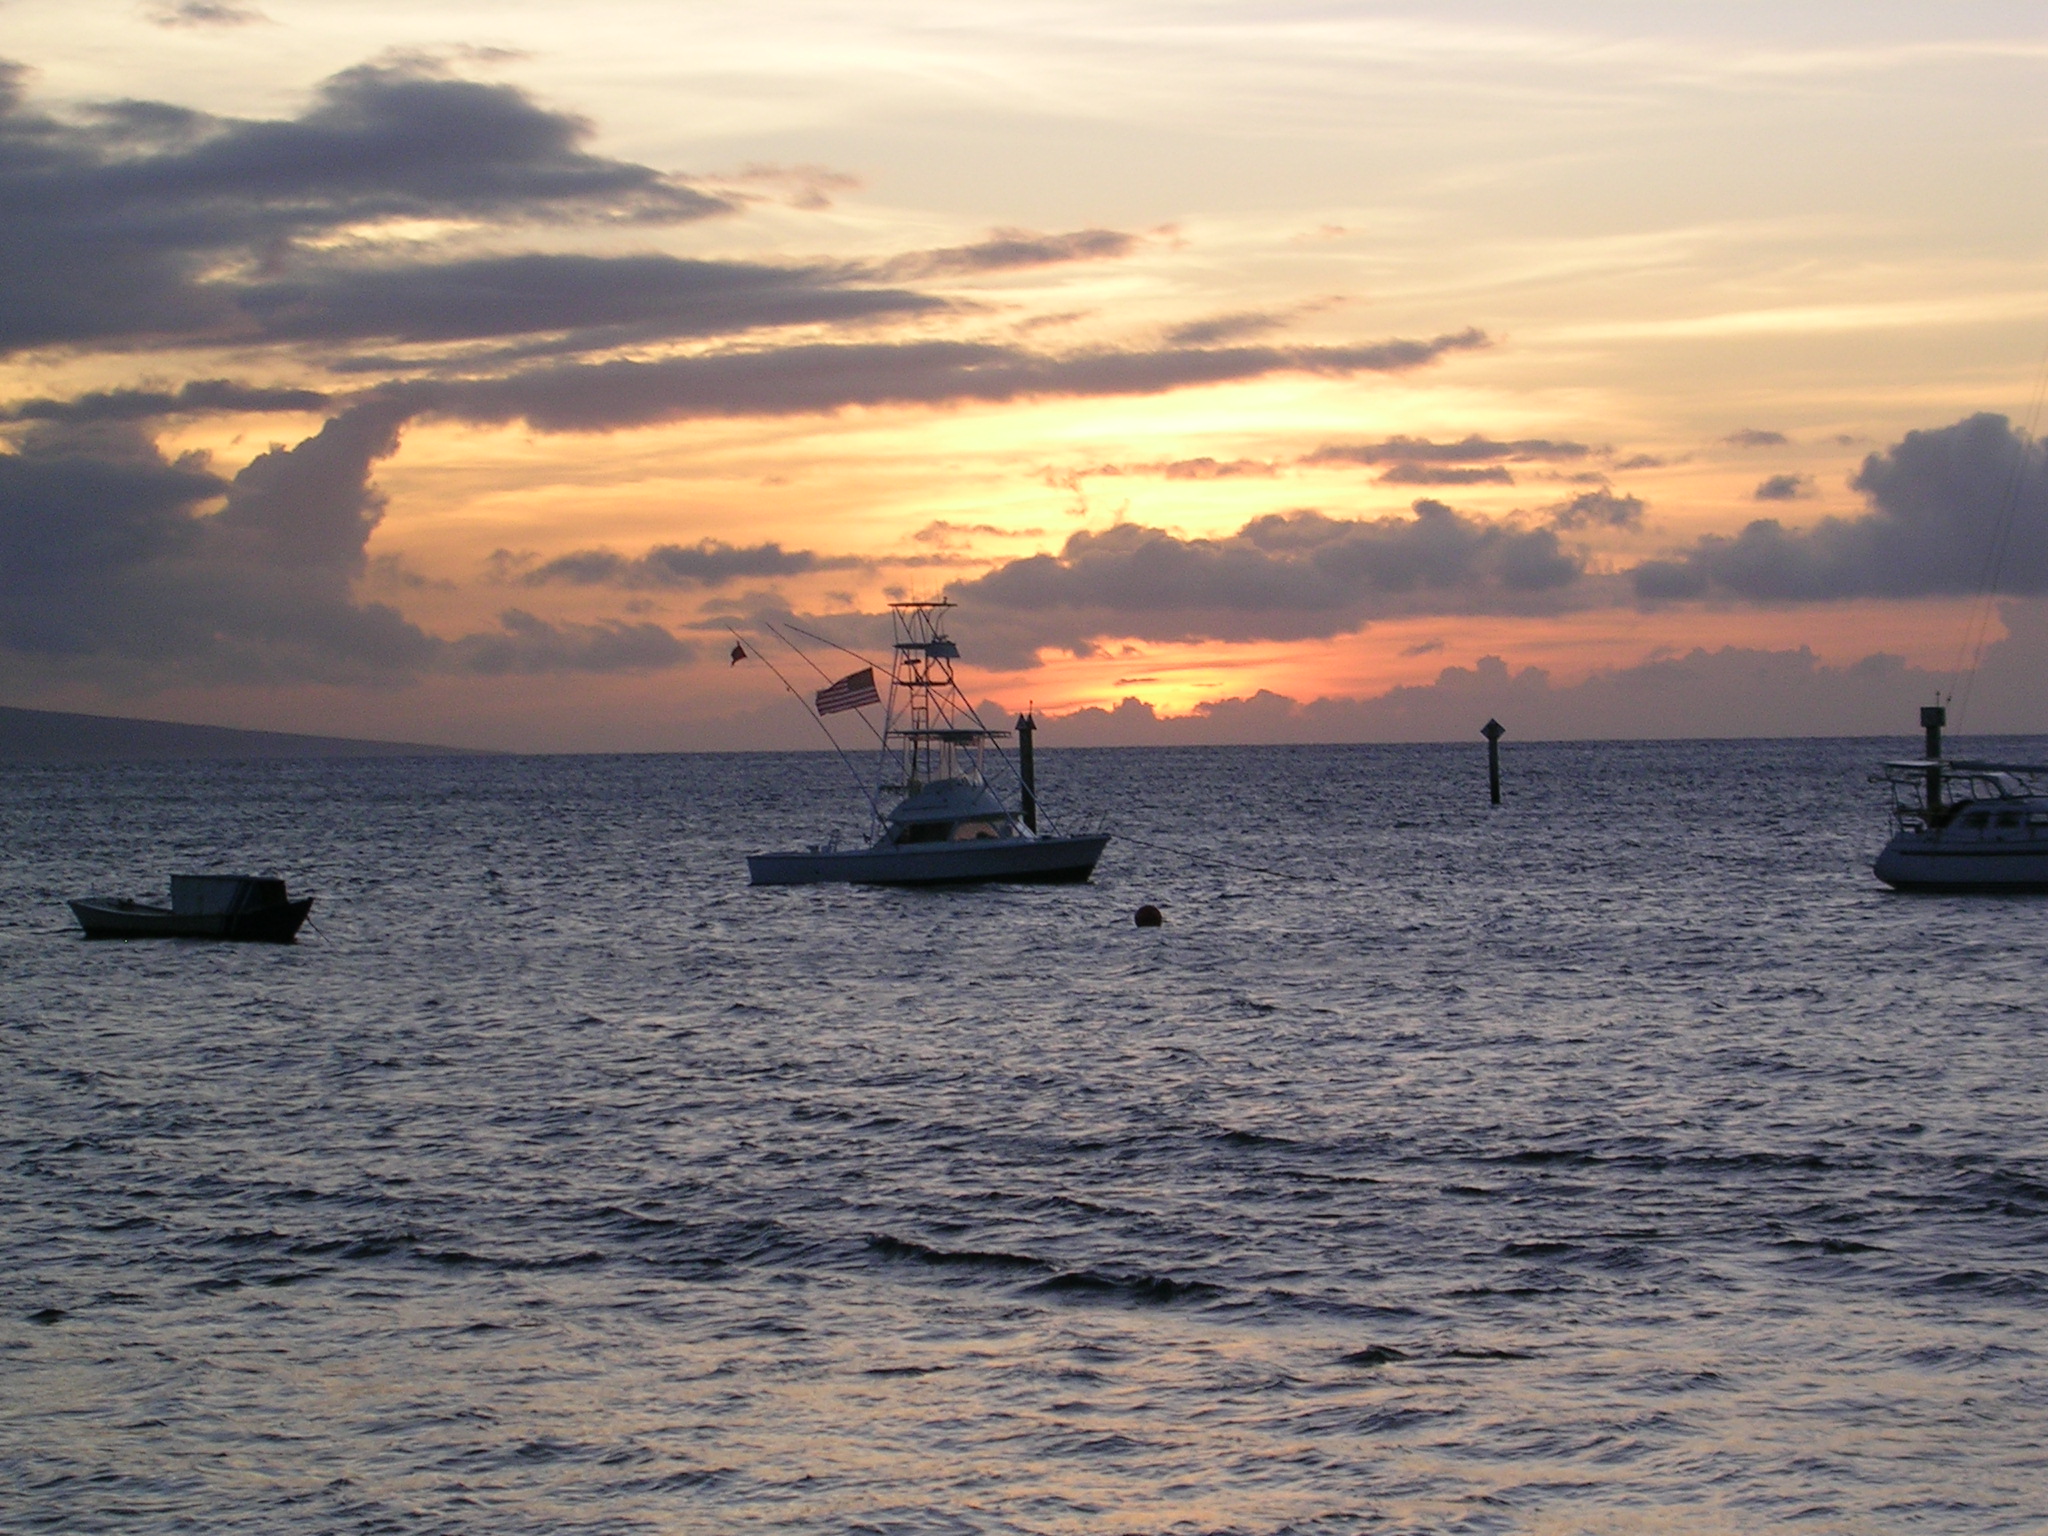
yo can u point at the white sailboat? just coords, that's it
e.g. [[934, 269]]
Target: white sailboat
[[1960, 824], [947, 825]]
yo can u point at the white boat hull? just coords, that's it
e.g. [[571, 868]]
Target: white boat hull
[[1036, 859], [1918, 862]]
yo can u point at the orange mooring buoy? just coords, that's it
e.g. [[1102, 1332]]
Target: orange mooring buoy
[[1148, 916]]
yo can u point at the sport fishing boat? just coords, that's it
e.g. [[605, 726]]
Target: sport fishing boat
[[1964, 825], [947, 825], [202, 907]]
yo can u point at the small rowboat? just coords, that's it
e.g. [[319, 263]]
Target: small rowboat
[[245, 907]]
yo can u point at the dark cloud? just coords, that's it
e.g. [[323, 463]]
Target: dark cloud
[[1753, 437], [204, 13], [525, 644], [139, 223], [1783, 488], [1445, 474], [824, 376], [708, 563], [200, 397], [118, 563], [109, 552], [1468, 450], [1285, 576], [1006, 249], [1950, 510], [596, 300]]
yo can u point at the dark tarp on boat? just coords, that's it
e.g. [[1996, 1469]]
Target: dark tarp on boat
[[202, 907]]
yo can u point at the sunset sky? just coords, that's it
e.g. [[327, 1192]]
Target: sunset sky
[[460, 372]]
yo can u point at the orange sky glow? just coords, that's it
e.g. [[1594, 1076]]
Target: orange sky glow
[[1196, 349]]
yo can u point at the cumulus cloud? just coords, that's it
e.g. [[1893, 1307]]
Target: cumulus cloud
[[1733, 691], [139, 222], [707, 563], [1598, 509], [1284, 576], [119, 563], [109, 551], [1956, 510], [1754, 437]]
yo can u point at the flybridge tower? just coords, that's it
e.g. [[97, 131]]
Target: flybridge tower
[[933, 732]]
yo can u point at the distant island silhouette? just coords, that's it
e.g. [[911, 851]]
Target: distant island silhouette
[[42, 735]]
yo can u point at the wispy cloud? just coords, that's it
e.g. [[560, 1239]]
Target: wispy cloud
[[707, 563], [204, 13], [1006, 250]]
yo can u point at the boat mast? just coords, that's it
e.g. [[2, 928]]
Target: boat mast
[[924, 671], [1932, 718]]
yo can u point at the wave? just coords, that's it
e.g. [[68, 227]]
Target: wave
[[1140, 1289], [911, 1251]]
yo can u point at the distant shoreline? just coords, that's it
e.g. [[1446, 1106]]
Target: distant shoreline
[[52, 736]]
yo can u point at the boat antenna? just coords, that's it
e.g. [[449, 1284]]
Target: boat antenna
[[856, 655], [859, 782], [1977, 632], [806, 655]]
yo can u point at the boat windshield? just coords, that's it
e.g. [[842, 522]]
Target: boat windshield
[[1951, 784], [971, 829], [980, 827]]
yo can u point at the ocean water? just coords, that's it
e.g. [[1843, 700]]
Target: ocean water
[[1621, 1160]]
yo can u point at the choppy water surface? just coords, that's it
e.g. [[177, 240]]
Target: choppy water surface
[[1623, 1160]]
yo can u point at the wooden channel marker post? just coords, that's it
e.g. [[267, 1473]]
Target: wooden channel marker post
[[1493, 730], [1027, 774]]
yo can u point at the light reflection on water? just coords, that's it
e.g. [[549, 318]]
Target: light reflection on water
[[1624, 1160]]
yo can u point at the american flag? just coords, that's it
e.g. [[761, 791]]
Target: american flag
[[850, 692]]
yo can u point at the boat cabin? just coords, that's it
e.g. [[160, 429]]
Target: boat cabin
[[951, 811], [1972, 798]]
